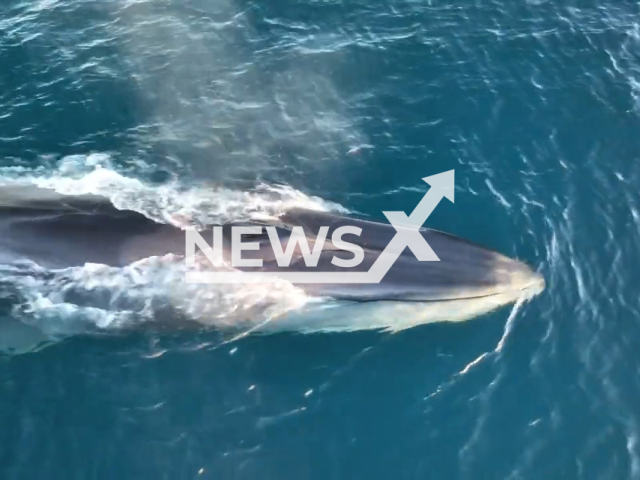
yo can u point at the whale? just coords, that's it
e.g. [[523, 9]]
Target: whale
[[58, 231]]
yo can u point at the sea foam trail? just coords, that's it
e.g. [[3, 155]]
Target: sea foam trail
[[169, 202]]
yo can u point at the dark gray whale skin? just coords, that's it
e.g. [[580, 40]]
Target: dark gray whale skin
[[57, 231], [69, 237]]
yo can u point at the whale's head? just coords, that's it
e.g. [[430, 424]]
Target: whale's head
[[467, 281]]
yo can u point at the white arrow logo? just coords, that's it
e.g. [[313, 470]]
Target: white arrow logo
[[442, 185], [407, 235]]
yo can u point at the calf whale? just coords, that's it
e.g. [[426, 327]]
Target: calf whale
[[58, 231]]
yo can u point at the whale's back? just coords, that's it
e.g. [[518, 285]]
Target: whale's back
[[60, 231]]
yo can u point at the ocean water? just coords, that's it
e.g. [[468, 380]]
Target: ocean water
[[227, 108]]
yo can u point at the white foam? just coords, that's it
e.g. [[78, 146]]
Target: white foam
[[78, 299], [169, 202]]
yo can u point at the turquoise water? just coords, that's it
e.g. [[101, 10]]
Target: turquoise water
[[174, 107]]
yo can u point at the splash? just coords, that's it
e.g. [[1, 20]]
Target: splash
[[169, 202]]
